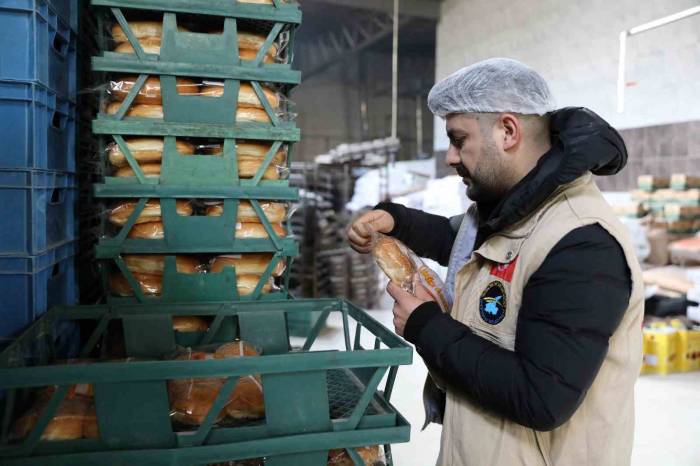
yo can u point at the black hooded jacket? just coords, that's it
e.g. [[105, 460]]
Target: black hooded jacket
[[571, 305]]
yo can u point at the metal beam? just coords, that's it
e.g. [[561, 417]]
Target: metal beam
[[415, 8], [316, 57]]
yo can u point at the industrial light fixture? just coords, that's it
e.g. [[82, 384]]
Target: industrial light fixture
[[621, 81]]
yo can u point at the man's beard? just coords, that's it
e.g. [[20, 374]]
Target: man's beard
[[486, 184]]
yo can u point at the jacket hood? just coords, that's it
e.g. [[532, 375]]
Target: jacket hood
[[581, 142]]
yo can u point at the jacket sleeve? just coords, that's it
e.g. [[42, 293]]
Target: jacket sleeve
[[425, 234], [571, 306]]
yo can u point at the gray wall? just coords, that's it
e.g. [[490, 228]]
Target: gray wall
[[574, 44], [660, 150]]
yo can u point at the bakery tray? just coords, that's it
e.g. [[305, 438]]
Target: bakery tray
[[317, 397]]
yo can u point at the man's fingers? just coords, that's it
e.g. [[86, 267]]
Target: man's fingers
[[356, 239], [394, 290], [421, 292]]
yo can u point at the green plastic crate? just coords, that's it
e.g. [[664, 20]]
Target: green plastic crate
[[286, 12], [202, 172], [210, 287], [196, 234], [315, 400], [201, 55]]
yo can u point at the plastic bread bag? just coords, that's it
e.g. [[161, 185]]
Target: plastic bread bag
[[154, 264], [150, 92], [151, 285], [247, 264], [190, 324], [401, 265], [250, 230], [146, 150], [276, 212], [191, 399], [74, 419], [148, 230], [393, 258], [120, 212], [247, 97], [246, 284], [372, 456]]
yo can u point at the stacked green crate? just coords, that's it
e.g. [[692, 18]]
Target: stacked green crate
[[315, 399], [208, 56]]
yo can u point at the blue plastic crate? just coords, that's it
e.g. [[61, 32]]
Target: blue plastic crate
[[37, 46], [37, 209], [67, 10], [32, 284], [38, 128]]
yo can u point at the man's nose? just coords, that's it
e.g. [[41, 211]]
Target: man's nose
[[452, 156]]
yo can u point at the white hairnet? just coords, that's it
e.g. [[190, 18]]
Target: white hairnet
[[495, 85]]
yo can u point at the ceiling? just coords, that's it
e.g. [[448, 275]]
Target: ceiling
[[333, 30]]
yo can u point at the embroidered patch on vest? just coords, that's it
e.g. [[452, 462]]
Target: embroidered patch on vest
[[492, 305], [504, 271]]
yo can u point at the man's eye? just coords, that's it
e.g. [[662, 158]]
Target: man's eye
[[458, 143]]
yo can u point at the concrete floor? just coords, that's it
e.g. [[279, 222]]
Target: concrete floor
[[668, 412]]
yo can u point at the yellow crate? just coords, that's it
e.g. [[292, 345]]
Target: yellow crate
[[660, 349], [688, 348]]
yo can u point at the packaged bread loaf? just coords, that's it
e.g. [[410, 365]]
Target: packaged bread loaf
[[370, 455], [276, 212], [154, 264], [155, 230], [246, 94], [150, 284], [188, 324], [149, 170], [257, 230], [145, 150], [150, 92], [246, 284], [191, 399], [246, 264], [392, 257], [403, 267], [243, 114], [149, 34], [121, 212], [74, 419]]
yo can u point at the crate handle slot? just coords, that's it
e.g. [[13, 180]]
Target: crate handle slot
[[7, 415], [58, 120], [59, 44], [57, 196]]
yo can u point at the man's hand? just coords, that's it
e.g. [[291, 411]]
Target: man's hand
[[406, 303], [361, 230]]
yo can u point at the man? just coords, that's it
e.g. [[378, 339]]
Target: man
[[539, 354]]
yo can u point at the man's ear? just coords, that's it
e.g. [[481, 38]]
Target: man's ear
[[511, 131]]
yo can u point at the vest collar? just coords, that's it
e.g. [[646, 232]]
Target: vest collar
[[504, 246]]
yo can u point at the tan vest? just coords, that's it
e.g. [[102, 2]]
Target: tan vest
[[601, 431]]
